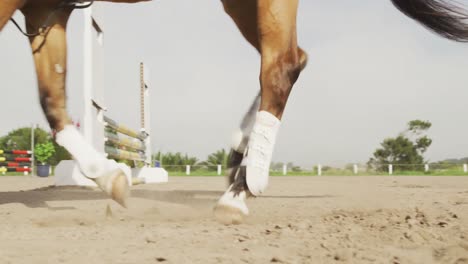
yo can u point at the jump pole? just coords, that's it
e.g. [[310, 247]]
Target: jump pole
[[147, 173]]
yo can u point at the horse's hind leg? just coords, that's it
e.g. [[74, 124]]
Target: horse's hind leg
[[231, 207], [281, 64], [50, 58], [245, 14], [7, 8], [253, 19]]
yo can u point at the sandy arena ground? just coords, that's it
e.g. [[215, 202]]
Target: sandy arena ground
[[299, 220]]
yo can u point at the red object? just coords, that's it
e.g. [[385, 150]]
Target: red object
[[21, 152], [23, 169], [23, 159]]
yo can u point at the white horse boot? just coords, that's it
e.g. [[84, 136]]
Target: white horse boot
[[106, 173], [257, 157]]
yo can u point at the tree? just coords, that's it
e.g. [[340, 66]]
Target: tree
[[21, 139], [405, 151], [175, 161], [219, 157], [278, 166]]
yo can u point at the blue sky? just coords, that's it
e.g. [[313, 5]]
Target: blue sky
[[371, 70]]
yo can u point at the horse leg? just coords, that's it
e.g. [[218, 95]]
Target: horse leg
[[282, 61], [7, 8], [49, 52], [244, 15], [241, 136], [281, 65], [231, 207]]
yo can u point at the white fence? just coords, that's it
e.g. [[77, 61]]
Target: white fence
[[319, 169]]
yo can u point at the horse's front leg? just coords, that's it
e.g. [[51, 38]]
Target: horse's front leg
[[50, 58], [270, 26]]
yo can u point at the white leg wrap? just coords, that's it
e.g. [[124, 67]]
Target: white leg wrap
[[92, 163], [259, 152]]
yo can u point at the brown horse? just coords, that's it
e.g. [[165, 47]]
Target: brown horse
[[268, 25]]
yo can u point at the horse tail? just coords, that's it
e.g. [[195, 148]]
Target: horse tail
[[444, 18]]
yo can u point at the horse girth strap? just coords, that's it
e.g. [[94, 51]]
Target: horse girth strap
[[72, 4]]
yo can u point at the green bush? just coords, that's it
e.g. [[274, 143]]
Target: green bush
[[43, 152]]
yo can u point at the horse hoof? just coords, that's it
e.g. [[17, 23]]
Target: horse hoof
[[115, 184], [120, 190], [231, 208], [229, 215]]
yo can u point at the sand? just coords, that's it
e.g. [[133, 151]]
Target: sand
[[298, 220]]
